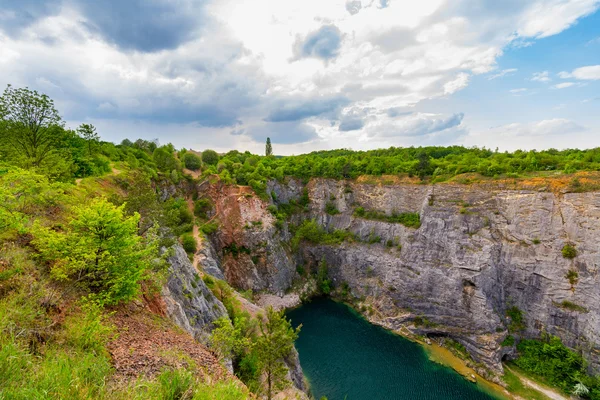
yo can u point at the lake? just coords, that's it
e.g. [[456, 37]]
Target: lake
[[346, 357]]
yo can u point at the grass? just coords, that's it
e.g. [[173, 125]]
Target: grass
[[515, 386], [569, 305], [408, 219]]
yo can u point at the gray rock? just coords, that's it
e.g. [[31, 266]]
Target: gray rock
[[190, 303]]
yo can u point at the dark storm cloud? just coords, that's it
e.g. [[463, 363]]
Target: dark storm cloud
[[323, 43], [143, 25], [294, 110], [351, 124], [16, 15]]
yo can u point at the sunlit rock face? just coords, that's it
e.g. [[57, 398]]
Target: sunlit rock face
[[477, 253]]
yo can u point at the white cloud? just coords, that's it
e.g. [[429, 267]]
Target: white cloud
[[564, 75], [241, 66], [563, 85], [541, 77], [591, 72], [548, 127], [543, 19], [504, 72]]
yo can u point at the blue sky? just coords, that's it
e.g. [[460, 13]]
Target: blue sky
[[314, 75]]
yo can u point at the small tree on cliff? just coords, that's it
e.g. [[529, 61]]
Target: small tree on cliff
[[274, 344], [268, 148]]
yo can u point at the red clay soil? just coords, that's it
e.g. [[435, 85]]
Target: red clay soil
[[147, 343]]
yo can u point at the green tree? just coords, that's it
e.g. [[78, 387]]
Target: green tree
[[210, 157], [88, 132], [32, 126], [268, 148], [274, 344], [192, 161], [165, 159], [99, 249]]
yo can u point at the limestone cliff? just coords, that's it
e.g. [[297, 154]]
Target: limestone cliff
[[477, 252], [189, 302]]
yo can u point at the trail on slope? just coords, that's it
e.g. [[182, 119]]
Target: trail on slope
[[546, 391]]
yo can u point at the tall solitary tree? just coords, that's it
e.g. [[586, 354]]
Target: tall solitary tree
[[88, 132], [268, 148], [31, 124], [274, 344]]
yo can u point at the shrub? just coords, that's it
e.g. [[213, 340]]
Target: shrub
[[331, 209], [509, 341], [572, 276], [189, 243], [210, 227], [210, 157], [192, 161], [100, 249], [549, 358], [569, 251], [201, 207], [517, 320], [569, 305]]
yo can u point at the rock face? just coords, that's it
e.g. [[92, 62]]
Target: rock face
[[189, 302], [477, 253], [252, 253]]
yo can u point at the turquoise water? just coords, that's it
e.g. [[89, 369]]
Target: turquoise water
[[346, 357]]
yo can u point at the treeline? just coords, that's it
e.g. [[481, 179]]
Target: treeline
[[33, 135]]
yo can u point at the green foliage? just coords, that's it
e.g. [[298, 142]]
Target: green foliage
[[323, 280], [569, 305], [411, 220], [268, 148], [30, 124], [550, 359], [99, 249], [165, 160], [312, 232], [569, 251], [209, 227], [189, 243], [516, 319], [572, 276], [508, 341], [273, 345], [210, 157], [89, 134], [331, 209], [192, 161], [202, 207]]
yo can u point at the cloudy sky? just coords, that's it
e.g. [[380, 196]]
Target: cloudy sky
[[314, 74]]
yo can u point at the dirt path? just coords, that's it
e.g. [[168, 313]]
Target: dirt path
[[546, 391], [197, 236]]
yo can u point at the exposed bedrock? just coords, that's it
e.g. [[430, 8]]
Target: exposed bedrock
[[477, 253]]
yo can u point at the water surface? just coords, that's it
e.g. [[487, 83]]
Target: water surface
[[345, 357]]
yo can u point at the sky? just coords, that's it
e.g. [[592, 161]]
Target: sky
[[314, 74]]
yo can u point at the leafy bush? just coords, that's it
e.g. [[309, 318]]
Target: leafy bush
[[189, 243], [509, 341], [550, 359], [210, 157], [202, 207], [572, 276], [314, 233], [569, 251], [411, 220], [192, 161], [517, 320], [331, 209], [210, 227], [100, 249]]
